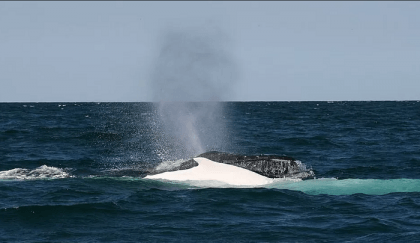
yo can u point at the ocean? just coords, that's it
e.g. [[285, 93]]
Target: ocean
[[74, 172]]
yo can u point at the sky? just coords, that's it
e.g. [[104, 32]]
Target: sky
[[229, 51]]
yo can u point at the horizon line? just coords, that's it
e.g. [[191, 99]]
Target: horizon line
[[223, 101]]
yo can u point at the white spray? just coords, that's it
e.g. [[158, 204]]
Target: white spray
[[192, 74]]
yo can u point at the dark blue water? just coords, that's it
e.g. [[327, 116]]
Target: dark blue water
[[73, 172]]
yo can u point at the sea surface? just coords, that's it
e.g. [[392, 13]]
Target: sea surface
[[74, 172]]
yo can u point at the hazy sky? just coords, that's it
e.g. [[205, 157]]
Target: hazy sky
[[108, 51]]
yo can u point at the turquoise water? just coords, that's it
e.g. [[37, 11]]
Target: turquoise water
[[73, 172], [351, 186]]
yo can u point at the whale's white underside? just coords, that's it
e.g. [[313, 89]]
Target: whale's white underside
[[208, 170]]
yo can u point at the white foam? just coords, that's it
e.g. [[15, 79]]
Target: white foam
[[210, 171], [42, 172]]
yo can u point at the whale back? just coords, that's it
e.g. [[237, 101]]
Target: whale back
[[271, 166]]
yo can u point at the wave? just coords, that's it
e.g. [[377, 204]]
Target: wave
[[322, 186], [327, 186], [332, 186], [42, 172], [314, 186], [15, 131]]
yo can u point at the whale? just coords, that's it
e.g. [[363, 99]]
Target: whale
[[232, 169]]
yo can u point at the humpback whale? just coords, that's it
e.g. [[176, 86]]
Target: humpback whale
[[234, 169]]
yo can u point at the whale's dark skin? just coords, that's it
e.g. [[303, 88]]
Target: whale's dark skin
[[271, 166]]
